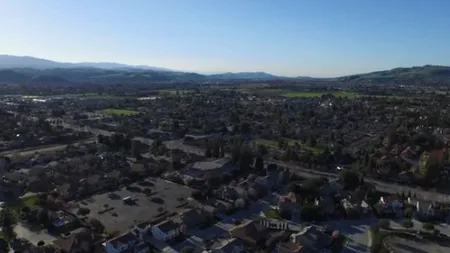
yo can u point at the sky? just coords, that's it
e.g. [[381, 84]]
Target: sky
[[320, 38]]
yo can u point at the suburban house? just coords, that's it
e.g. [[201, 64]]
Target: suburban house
[[391, 205], [142, 229], [125, 243], [166, 230], [312, 238], [81, 242], [230, 246], [251, 233], [288, 203], [191, 218], [422, 208]]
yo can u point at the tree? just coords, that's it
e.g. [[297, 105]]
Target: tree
[[187, 250], [83, 211], [383, 223], [407, 223], [208, 152], [259, 163], [408, 212], [350, 178], [7, 221], [428, 226], [245, 157]]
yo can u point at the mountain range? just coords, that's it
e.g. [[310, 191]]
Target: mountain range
[[26, 69]]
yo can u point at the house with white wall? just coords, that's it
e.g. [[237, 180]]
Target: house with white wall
[[126, 243], [166, 230]]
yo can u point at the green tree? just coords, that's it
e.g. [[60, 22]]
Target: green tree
[[187, 250], [407, 223], [383, 223], [428, 226], [350, 178], [7, 222]]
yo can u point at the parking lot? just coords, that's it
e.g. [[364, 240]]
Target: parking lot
[[123, 209]]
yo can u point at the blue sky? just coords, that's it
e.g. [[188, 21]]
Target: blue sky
[[286, 37]]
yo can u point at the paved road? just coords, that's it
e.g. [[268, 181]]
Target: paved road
[[37, 149], [387, 187]]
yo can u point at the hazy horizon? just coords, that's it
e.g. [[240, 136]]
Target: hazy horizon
[[289, 38]]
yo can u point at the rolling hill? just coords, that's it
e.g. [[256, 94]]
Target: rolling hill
[[415, 75], [25, 69]]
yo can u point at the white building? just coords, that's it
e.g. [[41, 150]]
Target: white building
[[128, 243], [166, 230]]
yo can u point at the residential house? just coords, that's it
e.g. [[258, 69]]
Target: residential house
[[191, 218], [166, 230], [251, 233], [81, 242], [423, 209], [63, 221], [230, 246], [391, 205], [312, 238], [126, 243], [289, 203], [142, 229]]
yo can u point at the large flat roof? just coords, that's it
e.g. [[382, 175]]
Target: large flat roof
[[116, 215]]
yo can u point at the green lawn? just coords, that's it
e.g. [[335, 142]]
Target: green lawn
[[290, 142], [99, 96], [341, 94], [272, 214], [122, 112], [174, 92], [17, 205], [296, 94]]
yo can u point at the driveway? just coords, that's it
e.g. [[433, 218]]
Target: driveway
[[357, 231]]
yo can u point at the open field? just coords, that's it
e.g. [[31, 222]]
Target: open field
[[122, 112], [290, 142], [296, 94], [306, 94], [342, 94], [175, 92], [98, 96]]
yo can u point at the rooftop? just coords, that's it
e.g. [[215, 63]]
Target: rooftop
[[116, 215]]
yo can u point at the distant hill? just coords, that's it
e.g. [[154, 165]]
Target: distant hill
[[26, 69], [246, 75], [425, 74], [11, 61]]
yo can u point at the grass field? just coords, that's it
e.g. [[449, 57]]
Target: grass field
[[99, 96], [291, 142], [174, 92], [17, 205], [342, 94], [122, 112], [296, 94]]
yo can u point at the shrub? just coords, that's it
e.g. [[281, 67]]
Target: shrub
[[83, 211], [428, 226], [383, 223], [408, 223], [187, 250]]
